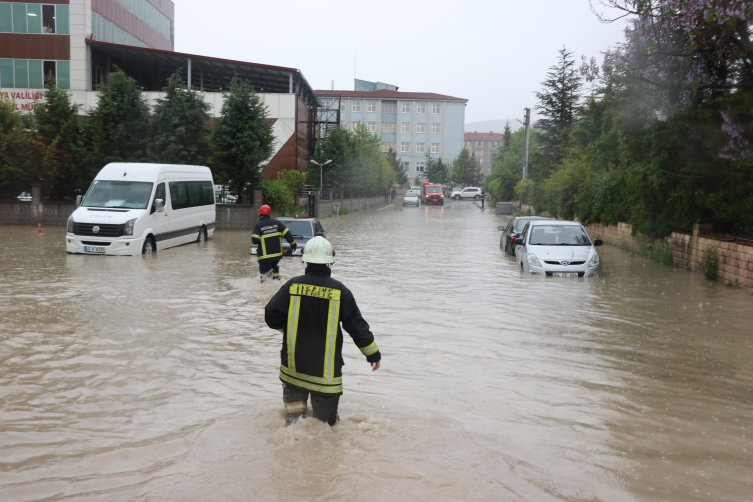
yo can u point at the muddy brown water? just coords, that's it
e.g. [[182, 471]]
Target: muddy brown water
[[155, 378]]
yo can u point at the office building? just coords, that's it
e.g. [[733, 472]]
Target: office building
[[414, 124], [77, 42], [483, 146]]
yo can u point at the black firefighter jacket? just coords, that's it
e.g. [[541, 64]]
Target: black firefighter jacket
[[309, 309], [268, 234]]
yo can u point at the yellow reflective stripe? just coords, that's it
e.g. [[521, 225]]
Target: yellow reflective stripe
[[268, 256], [312, 379], [295, 307], [315, 291], [264, 246], [308, 386], [369, 349], [295, 407], [257, 236], [333, 318], [285, 231]]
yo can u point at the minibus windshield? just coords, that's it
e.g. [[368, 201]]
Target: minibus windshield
[[122, 194]]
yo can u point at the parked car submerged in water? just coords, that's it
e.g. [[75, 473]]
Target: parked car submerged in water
[[411, 199], [558, 249], [514, 230], [303, 230]]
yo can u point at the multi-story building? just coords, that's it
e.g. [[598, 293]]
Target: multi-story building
[[414, 124], [483, 146], [78, 42]]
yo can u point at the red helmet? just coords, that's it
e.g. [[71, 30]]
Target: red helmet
[[265, 209]]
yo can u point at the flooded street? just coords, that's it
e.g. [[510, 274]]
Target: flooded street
[[155, 378]]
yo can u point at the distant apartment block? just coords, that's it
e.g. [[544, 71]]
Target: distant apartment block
[[483, 146], [414, 124]]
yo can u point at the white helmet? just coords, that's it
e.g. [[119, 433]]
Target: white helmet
[[318, 250]]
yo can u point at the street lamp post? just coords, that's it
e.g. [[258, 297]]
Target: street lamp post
[[321, 172]]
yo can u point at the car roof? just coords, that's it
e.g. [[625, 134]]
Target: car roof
[[533, 218], [555, 222], [290, 218]]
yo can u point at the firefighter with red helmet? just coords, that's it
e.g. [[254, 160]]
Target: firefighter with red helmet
[[267, 236]]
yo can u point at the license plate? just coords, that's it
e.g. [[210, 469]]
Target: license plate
[[94, 249], [564, 274]]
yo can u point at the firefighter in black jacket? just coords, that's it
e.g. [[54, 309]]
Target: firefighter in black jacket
[[267, 236], [308, 310]]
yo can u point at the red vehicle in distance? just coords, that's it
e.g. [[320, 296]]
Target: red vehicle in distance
[[431, 193]]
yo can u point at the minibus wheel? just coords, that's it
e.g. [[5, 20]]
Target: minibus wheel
[[149, 246], [202, 235]]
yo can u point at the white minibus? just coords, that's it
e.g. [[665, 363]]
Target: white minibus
[[133, 209]]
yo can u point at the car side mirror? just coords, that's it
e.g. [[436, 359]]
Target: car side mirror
[[79, 198], [598, 242], [159, 205], [501, 229]]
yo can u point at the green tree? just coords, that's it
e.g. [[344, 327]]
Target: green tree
[[397, 165], [557, 103], [507, 169], [467, 167], [118, 127], [437, 171], [280, 193], [243, 139], [180, 131]]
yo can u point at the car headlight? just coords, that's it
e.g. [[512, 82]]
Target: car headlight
[[594, 261], [70, 224], [128, 230], [533, 260]]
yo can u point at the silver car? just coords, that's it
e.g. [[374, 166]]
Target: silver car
[[411, 199], [558, 248]]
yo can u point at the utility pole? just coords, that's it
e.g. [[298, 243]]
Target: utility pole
[[525, 148]]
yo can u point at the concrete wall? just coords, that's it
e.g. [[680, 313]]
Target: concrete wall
[[24, 213], [735, 255]]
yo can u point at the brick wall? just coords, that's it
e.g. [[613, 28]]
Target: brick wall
[[735, 255]]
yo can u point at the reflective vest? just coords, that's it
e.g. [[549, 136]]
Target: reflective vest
[[310, 309], [268, 234]]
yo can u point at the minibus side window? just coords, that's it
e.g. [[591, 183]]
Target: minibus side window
[[195, 195], [159, 194], [178, 195], [208, 190]]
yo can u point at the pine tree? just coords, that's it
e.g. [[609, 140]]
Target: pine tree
[[400, 177], [181, 134], [467, 168], [243, 140], [558, 103], [437, 171]]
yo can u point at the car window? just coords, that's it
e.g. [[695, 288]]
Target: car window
[[558, 235], [509, 228], [302, 228]]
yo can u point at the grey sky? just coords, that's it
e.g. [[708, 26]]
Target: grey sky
[[495, 54]]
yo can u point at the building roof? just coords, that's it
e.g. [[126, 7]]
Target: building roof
[[388, 94], [484, 136], [152, 67]]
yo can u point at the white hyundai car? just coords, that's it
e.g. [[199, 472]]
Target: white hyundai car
[[558, 248]]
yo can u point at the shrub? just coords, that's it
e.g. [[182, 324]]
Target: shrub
[[710, 264], [661, 255]]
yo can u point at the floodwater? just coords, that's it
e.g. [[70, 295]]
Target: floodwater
[[155, 378]]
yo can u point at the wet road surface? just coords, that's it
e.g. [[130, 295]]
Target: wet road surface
[[155, 378]]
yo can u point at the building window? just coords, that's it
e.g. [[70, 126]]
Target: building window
[[356, 106], [435, 148], [492, 152], [344, 125], [343, 106], [492, 143], [420, 147], [420, 107], [420, 127], [33, 73], [420, 166], [355, 124], [479, 153], [468, 144], [389, 107], [404, 147], [405, 127], [386, 147], [479, 143], [371, 106], [436, 108], [406, 165], [389, 127], [436, 128], [33, 18], [405, 107], [106, 31], [371, 126]]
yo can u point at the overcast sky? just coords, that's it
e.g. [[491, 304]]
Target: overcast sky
[[493, 53]]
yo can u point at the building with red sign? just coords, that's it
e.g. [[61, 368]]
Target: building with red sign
[[77, 43]]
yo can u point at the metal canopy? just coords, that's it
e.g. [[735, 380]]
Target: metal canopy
[[152, 67]]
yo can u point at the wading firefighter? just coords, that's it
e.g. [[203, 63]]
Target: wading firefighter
[[267, 236], [309, 310]]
